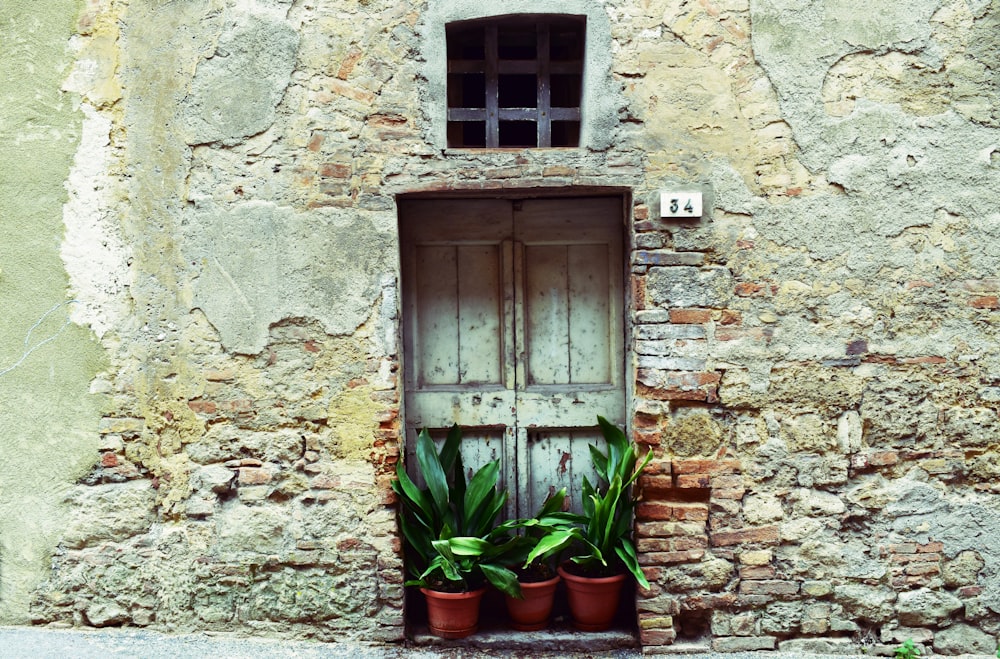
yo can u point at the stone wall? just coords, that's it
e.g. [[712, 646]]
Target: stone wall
[[814, 362]]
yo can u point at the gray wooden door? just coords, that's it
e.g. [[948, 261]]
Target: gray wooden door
[[512, 328]]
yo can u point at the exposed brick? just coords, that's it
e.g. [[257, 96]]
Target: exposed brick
[[903, 548], [741, 333], [668, 557], [757, 572], [758, 534], [655, 621], [769, 587], [985, 302], [694, 480], [914, 558], [710, 467], [200, 406], [654, 544], [109, 459], [653, 511], [692, 512], [669, 529], [558, 170], [690, 316], [747, 288], [341, 88], [930, 547], [923, 569], [690, 542], [730, 317], [652, 485], [931, 359], [651, 638], [640, 212], [708, 602], [638, 285], [349, 61], [653, 573], [254, 476]]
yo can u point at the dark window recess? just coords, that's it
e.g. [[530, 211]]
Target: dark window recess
[[515, 81]]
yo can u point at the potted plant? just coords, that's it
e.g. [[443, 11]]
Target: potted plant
[[604, 554], [452, 546], [531, 556]]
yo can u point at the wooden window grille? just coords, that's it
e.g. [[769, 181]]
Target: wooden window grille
[[515, 81]]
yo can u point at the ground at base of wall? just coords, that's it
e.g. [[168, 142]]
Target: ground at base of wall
[[46, 643]]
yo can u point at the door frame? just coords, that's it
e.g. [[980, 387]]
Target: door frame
[[628, 303]]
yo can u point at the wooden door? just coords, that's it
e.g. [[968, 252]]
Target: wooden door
[[512, 328]]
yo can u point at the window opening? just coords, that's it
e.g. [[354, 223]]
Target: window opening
[[515, 82]]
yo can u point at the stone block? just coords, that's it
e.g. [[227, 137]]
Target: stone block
[[743, 643], [688, 286]]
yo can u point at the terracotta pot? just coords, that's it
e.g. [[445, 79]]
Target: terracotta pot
[[593, 602], [453, 615], [532, 613]]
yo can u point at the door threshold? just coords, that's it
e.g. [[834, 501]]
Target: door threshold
[[558, 637]]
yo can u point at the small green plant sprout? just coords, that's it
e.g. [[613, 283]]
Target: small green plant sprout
[[907, 650]]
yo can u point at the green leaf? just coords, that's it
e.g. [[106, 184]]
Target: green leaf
[[552, 543], [430, 467], [504, 580], [450, 448], [553, 504], [468, 546], [480, 487], [410, 493], [600, 462], [637, 471], [626, 552]]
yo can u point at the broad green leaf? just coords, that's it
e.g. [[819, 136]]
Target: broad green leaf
[[410, 492], [430, 466], [553, 504], [504, 580], [468, 546], [642, 465], [552, 543], [480, 487], [450, 449], [600, 462], [485, 518], [626, 552]]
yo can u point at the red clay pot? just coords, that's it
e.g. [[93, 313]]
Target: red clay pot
[[453, 615], [593, 601], [532, 613]]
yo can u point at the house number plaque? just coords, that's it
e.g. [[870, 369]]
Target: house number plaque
[[680, 204]]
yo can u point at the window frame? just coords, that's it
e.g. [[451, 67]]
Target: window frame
[[492, 66]]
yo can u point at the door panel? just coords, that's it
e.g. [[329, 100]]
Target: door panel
[[513, 328], [557, 459]]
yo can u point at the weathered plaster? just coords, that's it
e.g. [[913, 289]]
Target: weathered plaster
[[48, 418], [258, 263]]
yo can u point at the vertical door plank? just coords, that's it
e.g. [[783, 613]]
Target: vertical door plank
[[589, 319], [479, 323], [546, 314], [437, 315], [557, 459]]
